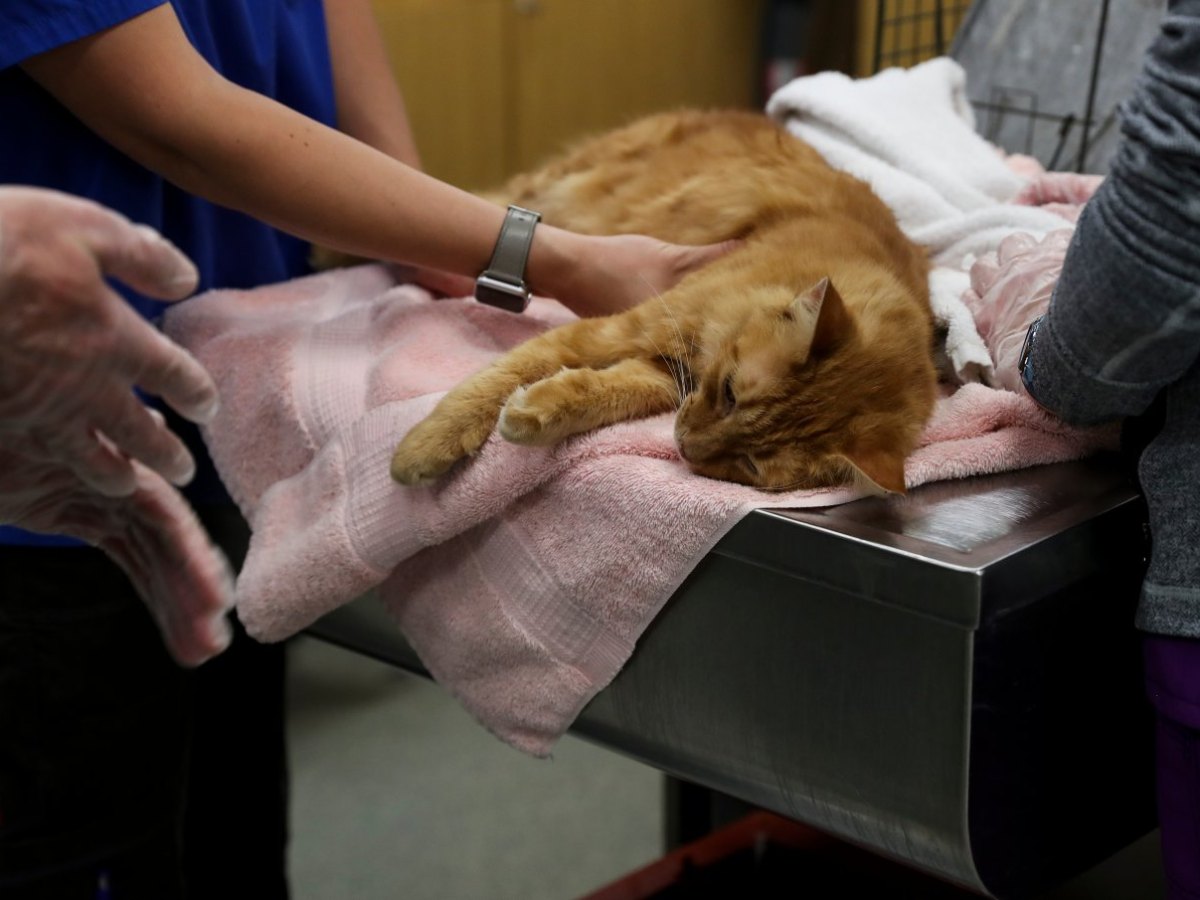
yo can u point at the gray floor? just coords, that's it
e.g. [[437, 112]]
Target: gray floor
[[398, 793]]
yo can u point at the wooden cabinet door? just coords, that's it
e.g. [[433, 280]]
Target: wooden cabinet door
[[583, 66], [450, 61], [495, 86]]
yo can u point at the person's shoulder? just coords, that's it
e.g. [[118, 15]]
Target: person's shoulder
[[31, 27]]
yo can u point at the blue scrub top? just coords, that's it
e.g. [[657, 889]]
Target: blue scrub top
[[278, 48]]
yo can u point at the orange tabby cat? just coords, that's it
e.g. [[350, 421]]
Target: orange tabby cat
[[803, 358]]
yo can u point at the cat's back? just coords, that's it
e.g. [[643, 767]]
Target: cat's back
[[690, 176]]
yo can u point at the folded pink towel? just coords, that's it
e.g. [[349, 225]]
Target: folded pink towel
[[524, 578]]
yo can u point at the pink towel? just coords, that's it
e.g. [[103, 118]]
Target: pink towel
[[524, 578]]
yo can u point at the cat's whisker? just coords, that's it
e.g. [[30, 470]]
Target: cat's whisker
[[674, 320], [675, 367], [676, 376], [685, 346]]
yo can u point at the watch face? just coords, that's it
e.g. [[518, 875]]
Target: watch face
[[1027, 346], [502, 294]]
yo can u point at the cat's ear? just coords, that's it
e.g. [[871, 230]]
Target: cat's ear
[[834, 324], [882, 467]]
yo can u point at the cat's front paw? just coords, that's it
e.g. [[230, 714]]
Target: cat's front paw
[[411, 466], [534, 416], [432, 447]]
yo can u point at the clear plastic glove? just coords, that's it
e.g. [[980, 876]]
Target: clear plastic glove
[[1009, 289], [1050, 188], [74, 350], [153, 535]]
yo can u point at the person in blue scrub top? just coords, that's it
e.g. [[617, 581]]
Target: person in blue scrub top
[[242, 132]]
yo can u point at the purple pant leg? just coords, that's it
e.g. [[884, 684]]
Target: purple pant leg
[[1173, 685]]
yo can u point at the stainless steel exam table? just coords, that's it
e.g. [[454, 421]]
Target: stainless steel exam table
[[950, 678]]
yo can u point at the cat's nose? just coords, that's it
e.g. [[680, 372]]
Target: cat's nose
[[681, 435]]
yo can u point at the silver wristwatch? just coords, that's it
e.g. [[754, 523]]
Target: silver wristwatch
[[1023, 367], [502, 283]]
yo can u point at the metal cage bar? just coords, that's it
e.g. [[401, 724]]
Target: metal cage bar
[[907, 31], [899, 29]]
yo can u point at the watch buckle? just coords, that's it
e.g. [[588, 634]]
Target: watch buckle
[[502, 293]]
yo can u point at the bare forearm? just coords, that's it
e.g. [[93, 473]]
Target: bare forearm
[[328, 188], [143, 88], [314, 182]]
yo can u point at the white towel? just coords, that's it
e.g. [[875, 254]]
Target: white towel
[[950, 189]]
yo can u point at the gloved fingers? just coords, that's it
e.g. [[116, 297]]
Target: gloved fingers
[[984, 272], [152, 534], [1059, 187], [1014, 245], [188, 600], [159, 366], [1018, 300], [33, 489], [96, 441], [1015, 285], [1057, 242], [138, 255], [92, 457], [1028, 276], [135, 432], [184, 580], [1005, 354], [135, 254]]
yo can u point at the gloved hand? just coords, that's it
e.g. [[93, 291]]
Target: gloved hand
[[73, 350], [1058, 187], [1009, 289], [152, 534]]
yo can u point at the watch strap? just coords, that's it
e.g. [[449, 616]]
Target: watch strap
[[503, 281]]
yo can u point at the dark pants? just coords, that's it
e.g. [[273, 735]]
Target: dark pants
[[121, 774], [1173, 684]]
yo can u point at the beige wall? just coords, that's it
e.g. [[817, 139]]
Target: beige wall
[[493, 86]]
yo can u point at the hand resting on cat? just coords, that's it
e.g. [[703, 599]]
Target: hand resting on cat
[[801, 359]]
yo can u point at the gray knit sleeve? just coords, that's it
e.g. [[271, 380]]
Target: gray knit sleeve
[[1124, 320]]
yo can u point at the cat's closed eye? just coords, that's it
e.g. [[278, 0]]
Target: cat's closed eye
[[728, 397], [750, 466]]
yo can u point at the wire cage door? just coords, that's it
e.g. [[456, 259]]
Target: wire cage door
[[1045, 77]]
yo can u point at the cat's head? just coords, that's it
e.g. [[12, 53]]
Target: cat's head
[[794, 399]]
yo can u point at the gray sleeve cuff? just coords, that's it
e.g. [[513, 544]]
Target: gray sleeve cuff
[[1058, 382]]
